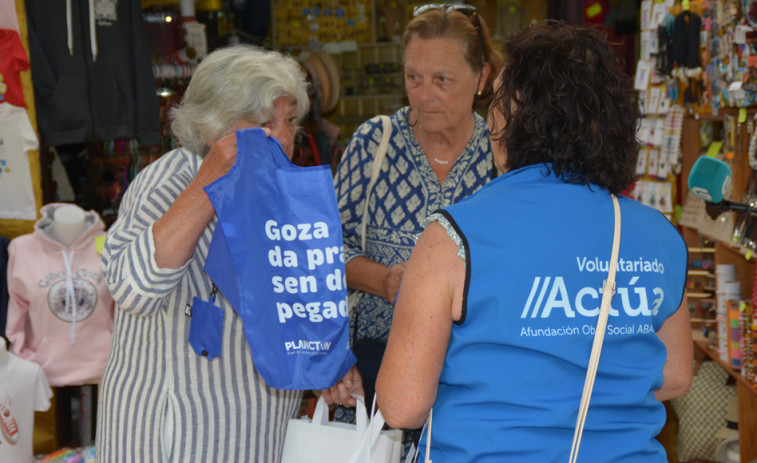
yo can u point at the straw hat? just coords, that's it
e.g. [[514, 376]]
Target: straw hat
[[332, 71], [325, 74], [728, 451]]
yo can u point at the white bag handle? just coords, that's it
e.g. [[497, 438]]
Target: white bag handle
[[321, 414], [362, 453], [608, 289]]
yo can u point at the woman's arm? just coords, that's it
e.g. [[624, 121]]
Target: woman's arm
[[429, 303], [371, 277], [678, 370], [147, 250], [351, 184], [178, 231]]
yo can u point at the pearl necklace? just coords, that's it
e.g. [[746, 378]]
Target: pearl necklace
[[433, 158]]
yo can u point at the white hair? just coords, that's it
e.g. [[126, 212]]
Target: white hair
[[232, 84]]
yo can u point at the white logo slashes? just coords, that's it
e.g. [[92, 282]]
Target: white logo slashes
[[550, 293]]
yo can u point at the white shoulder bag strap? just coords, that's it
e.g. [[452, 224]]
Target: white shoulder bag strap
[[378, 159], [608, 289]]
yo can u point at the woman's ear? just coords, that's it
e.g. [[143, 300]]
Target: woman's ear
[[485, 71]]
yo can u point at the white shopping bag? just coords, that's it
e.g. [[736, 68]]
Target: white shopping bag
[[324, 441]]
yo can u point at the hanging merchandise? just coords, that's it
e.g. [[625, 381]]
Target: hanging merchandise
[[8, 15], [17, 137], [277, 256], [23, 391], [297, 23], [91, 71], [685, 46], [12, 61], [60, 313]]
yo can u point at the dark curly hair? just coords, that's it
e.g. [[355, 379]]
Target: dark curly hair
[[564, 100]]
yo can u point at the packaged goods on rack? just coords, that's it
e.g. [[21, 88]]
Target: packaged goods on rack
[[728, 292], [746, 320], [700, 287], [734, 352], [298, 22]]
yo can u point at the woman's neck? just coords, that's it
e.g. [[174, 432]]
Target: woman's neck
[[447, 143], [443, 148]]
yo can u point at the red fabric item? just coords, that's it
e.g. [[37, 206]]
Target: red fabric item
[[13, 60]]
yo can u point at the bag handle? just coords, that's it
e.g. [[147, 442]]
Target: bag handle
[[378, 159], [369, 436], [321, 414], [608, 289]]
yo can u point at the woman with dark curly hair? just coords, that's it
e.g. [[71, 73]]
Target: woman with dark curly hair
[[500, 298]]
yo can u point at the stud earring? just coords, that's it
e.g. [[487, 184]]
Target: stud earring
[[478, 93]]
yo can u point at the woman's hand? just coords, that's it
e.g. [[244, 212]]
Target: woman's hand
[[371, 277], [176, 233], [340, 392], [392, 281], [222, 155]]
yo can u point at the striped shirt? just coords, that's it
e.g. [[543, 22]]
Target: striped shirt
[[159, 400]]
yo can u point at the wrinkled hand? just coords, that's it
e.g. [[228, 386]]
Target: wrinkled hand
[[340, 392], [221, 158], [392, 281]]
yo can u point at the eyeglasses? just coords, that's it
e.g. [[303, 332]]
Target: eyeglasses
[[467, 10]]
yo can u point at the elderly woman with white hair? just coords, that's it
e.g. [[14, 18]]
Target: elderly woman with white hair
[[159, 400]]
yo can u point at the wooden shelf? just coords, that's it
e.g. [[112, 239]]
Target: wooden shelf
[[702, 345], [701, 273], [698, 295], [705, 250], [725, 252], [747, 409]]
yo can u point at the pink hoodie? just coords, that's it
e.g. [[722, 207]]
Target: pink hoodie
[[70, 341]]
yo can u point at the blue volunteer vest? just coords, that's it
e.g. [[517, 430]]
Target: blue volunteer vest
[[537, 253]]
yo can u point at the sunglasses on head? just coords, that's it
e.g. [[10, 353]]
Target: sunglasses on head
[[467, 10]]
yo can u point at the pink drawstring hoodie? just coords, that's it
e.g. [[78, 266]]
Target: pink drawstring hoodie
[[60, 313]]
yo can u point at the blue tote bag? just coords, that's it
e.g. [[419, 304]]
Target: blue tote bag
[[277, 256]]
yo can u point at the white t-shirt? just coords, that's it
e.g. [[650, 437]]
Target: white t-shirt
[[8, 16], [17, 137], [23, 390]]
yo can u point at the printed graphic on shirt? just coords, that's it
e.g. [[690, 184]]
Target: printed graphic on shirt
[[84, 295], [105, 12], [8, 423], [551, 297], [4, 166]]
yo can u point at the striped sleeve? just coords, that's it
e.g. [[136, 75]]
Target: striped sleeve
[[137, 284]]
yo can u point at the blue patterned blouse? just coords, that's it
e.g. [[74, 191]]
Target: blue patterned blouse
[[406, 193]]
